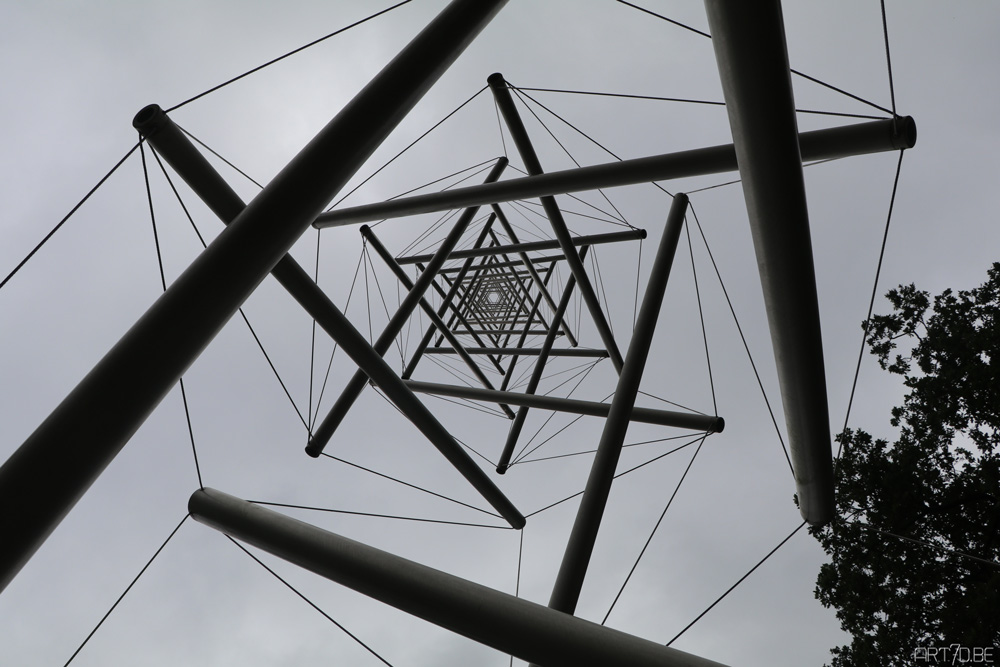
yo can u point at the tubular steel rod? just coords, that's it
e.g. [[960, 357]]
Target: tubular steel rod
[[523, 351], [686, 420], [534, 272], [756, 83], [515, 262], [321, 436], [524, 336], [449, 303], [507, 623], [592, 239], [518, 133], [877, 136], [576, 558], [55, 466], [457, 348], [536, 372]]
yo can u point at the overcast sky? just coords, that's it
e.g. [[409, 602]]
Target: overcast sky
[[74, 74]]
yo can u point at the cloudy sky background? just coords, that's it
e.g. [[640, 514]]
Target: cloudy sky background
[[73, 76]]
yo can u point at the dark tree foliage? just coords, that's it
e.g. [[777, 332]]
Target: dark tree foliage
[[939, 483]]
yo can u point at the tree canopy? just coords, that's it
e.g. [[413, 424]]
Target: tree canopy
[[915, 548]]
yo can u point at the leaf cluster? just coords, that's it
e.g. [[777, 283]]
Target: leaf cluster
[[938, 483]]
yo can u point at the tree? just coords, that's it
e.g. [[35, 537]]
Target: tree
[[938, 484]]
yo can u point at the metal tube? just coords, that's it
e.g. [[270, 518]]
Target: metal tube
[[515, 262], [592, 239], [756, 83], [507, 623], [877, 136], [536, 372], [447, 303], [457, 348], [687, 420], [91, 425], [533, 271], [524, 336], [523, 351], [519, 135], [321, 436], [569, 580]]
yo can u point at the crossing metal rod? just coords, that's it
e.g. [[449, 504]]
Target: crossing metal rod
[[448, 302], [56, 465], [536, 373], [686, 420], [457, 347], [523, 351], [875, 136], [502, 218], [504, 622], [524, 336], [576, 558], [591, 239], [514, 262], [328, 426], [756, 83], [519, 135]]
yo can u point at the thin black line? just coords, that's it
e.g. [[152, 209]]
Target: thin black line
[[127, 589], [740, 581], [793, 71], [68, 215], [888, 60], [412, 486], [308, 601], [378, 516], [701, 316], [621, 474], [329, 366], [746, 346], [152, 216], [230, 164], [274, 370], [657, 98], [871, 302], [290, 53], [391, 160], [649, 539]]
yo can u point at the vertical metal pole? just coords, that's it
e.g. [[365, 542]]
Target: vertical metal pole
[[576, 558], [756, 82], [56, 465], [321, 436], [507, 623], [527, 152], [536, 373], [431, 313]]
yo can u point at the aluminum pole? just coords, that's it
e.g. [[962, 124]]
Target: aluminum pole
[[523, 351], [514, 262], [447, 303], [536, 372], [457, 347], [518, 133], [56, 465], [569, 580], [321, 436], [756, 83], [533, 271], [592, 239], [507, 623], [686, 420], [877, 136]]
